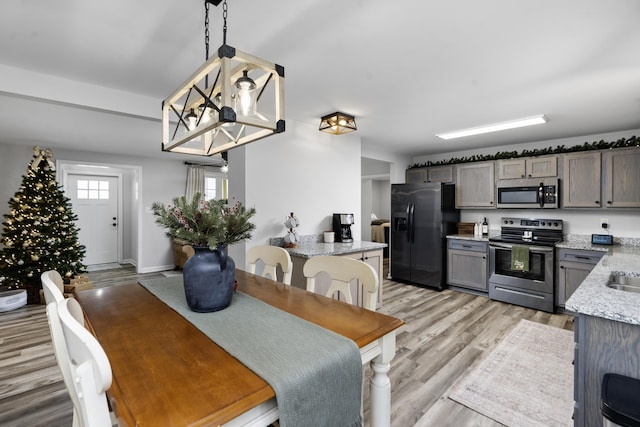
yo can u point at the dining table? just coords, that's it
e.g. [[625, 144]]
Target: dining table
[[166, 372]]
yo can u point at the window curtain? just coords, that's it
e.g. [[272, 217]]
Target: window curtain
[[195, 181]]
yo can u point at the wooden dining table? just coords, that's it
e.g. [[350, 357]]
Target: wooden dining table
[[166, 372]]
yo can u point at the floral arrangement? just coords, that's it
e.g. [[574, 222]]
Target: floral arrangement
[[201, 222]]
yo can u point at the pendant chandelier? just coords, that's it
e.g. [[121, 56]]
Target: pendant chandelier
[[234, 98]]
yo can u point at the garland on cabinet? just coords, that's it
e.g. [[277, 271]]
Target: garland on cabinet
[[596, 145]]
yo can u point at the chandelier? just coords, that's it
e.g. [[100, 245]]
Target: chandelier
[[338, 123], [234, 98]]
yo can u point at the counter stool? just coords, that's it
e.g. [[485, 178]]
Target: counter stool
[[620, 402]]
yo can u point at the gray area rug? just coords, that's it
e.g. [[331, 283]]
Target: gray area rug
[[526, 381]]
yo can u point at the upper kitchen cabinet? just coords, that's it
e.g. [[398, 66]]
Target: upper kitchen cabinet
[[581, 180], [475, 185], [622, 178], [430, 174], [534, 167]]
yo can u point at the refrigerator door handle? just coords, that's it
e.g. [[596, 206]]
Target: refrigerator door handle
[[411, 223], [407, 210]]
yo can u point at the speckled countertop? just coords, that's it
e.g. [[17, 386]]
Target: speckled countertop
[[310, 246], [309, 250], [470, 237], [593, 297]]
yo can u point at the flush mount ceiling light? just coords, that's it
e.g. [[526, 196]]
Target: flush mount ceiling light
[[243, 103], [338, 123], [528, 121]]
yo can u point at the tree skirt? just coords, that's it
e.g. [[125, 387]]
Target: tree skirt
[[526, 381]]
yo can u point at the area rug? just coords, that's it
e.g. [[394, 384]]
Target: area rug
[[527, 380], [171, 273]]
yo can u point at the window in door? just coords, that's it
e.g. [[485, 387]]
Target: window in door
[[93, 189]]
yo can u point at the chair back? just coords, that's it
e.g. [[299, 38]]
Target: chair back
[[84, 365], [342, 271], [53, 286], [271, 257]]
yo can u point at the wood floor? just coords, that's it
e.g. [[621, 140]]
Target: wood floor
[[446, 333]]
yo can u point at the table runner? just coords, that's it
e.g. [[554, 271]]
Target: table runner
[[315, 373]]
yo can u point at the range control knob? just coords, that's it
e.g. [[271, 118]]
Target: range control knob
[[544, 223], [555, 224]]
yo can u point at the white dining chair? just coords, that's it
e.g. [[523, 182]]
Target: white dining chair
[[271, 257], [342, 270], [84, 365], [53, 286]]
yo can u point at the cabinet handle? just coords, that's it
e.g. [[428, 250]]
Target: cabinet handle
[[609, 202], [582, 257], [466, 246], [597, 202], [484, 257], [562, 266]]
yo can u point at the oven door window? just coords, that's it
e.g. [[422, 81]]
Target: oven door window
[[536, 265]]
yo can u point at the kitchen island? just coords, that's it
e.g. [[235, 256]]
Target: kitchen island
[[607, 328], [369, 252]]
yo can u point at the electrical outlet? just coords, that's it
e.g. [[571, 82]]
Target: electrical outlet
[[604, 223]]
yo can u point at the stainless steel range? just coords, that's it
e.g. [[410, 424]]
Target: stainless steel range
[[529, 285]]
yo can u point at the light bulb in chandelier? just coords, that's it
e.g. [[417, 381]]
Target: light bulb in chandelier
[[191, 119], [246, 95], [205, 113]]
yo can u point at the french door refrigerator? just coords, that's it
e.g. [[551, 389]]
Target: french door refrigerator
[[422, 214]]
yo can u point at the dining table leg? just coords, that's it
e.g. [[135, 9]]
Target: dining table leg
[[380, 384]]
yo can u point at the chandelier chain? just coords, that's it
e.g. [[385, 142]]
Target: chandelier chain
[[224, 26], [206, 29]]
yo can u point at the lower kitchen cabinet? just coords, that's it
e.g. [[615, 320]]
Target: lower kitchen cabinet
[[574, 265], [602, 346], [467, 264], [374, 258]]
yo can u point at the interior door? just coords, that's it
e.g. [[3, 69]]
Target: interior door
[[95, 202]]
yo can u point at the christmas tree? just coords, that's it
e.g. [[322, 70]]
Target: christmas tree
[[39, 233]]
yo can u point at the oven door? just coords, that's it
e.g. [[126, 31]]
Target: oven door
[[538, 278]]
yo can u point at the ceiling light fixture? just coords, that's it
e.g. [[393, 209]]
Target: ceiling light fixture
[[338, 123], [244, 103], [528, 121]]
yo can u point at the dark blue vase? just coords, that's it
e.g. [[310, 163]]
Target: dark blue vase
[[209, 277]]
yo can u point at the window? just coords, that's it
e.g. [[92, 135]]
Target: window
[[93, 189], [215, 186]]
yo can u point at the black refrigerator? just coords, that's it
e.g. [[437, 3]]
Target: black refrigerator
[[422, 214]]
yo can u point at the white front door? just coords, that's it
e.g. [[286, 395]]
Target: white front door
[[95, 202]]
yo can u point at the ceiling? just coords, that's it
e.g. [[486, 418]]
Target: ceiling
[[406, 69]]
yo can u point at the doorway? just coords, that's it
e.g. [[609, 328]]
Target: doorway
[[96, 202]]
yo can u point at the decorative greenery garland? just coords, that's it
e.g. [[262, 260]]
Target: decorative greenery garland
[[596, 145]]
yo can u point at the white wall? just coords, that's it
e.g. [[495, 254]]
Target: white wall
[[304, 171], [623, 222]]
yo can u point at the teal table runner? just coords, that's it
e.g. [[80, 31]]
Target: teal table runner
[[315, 373]]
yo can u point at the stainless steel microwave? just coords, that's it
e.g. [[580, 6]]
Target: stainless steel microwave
[[528, 193]]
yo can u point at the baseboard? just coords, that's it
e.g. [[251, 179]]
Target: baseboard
[[157, 268]]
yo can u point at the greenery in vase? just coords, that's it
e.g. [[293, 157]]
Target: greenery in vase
[[200, 222]]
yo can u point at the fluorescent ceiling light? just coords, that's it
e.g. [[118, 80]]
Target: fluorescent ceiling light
[[529, 121]]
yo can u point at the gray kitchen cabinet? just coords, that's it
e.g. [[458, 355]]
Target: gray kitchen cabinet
[[574, 265], [532, 167], [475, 185], [622, 178], [415, 175], [430, 174], [581, 183], [373, 258], [467, 264], [602, 346]]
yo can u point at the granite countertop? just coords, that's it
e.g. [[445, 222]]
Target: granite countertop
[[593, 297], [311, 249], [469, 237]]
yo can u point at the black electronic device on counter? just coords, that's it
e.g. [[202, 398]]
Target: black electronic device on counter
[[602, 239]]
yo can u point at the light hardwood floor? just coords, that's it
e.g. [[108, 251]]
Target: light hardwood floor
[[446, 333]]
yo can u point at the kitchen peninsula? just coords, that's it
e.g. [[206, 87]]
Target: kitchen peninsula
[[607, 328], [310, 246]]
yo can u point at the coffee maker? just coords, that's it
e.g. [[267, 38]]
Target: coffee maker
[[342, 227]]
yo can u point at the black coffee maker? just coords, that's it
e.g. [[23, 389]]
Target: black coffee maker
[[342, 227]]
